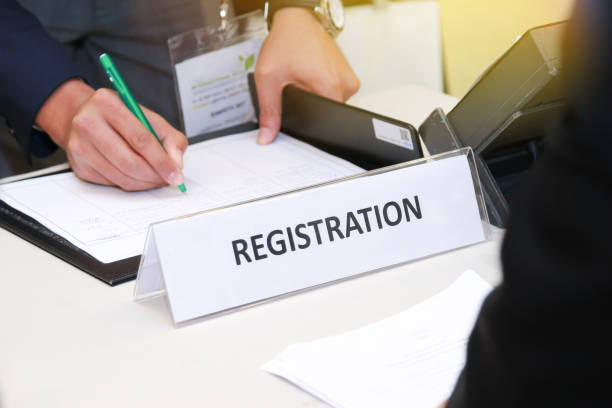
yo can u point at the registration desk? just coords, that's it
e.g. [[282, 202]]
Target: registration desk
[[68, 340]]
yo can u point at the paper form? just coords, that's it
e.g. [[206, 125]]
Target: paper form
[[111, 224], [412, 359]]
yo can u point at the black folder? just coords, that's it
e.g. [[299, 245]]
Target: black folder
[[334, 127]]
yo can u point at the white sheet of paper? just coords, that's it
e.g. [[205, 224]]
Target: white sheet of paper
[[111, 224], [411, 359]]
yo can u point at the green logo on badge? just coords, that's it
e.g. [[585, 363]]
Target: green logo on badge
[[248, 61]]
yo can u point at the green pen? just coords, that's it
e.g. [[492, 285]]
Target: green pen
[[128, 99]]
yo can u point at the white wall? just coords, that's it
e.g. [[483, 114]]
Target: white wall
[[395, 44]]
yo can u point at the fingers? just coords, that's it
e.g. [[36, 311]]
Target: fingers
[[108, 145], [270, 86], [337, 88], [174, 141], [87, 173], [97, 132], [328, 86], [91, 165], [269, 92], [350, 83], [116, 176], [138, 137], [298, 51], [338, 82]]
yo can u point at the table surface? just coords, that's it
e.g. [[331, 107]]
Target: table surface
[[68, 340]]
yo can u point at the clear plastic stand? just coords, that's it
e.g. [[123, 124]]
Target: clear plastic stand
[[151, 283]]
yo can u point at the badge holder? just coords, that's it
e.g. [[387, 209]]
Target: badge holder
[[157, 276], [210, 67]]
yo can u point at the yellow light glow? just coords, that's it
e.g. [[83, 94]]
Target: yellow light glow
[[476, 32]]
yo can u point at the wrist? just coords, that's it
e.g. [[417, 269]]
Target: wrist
[[55, 115]]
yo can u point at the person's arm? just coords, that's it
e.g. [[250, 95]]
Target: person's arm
[[32, 66], [298, 51], [543, 336], [104, 142]]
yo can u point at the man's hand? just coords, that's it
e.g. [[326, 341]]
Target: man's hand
[[300, 52], [105, 142]]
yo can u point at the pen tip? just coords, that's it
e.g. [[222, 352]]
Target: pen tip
[[182, 188]]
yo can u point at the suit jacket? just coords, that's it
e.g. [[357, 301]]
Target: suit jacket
[[32, 66], [543, 338]]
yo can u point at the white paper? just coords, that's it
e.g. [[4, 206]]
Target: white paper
[[411, 359], [111, 224], [393, 134], [204, 273], [213, 87]]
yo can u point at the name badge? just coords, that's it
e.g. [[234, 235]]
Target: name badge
[[227, 258], [213, 88], [211, 65]]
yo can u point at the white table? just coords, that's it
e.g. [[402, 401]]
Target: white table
[[68, 340]]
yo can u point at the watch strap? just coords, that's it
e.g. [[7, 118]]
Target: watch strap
[[275, 5]]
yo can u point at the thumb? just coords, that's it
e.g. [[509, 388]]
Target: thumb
[[269, 91]]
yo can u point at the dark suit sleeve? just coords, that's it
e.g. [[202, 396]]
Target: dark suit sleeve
[[32, 66], [544, 336]]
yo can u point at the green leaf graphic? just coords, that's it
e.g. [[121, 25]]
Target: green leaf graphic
[[248, 63]]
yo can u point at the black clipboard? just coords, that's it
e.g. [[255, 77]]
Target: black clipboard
[[113, 273], [334, 127]]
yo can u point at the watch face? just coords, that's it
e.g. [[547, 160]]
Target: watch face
[[336, 13]]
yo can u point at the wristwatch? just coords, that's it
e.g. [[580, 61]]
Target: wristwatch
[[329, 12]]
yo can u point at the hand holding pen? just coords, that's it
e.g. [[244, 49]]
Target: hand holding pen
[[105, 142]]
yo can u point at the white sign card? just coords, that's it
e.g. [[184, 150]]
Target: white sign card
[[227, 258], [213, 88]]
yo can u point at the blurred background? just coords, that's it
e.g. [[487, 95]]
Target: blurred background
[[475, 32], [440, 45], [453, 39]]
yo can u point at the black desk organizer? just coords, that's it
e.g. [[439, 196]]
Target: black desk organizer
[[506, 115]]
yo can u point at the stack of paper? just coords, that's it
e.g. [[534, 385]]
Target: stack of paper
[[411, 359], [111, 224]]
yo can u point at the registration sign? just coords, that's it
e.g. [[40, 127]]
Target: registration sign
[[227, 258]]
